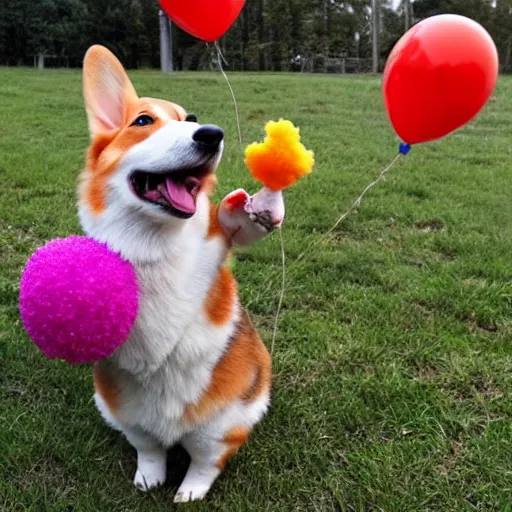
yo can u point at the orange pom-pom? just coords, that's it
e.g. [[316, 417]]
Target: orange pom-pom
[[281, 159]]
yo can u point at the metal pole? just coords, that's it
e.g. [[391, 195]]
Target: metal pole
[[165, 60], [407, 22], [375, 37], [171, 59]]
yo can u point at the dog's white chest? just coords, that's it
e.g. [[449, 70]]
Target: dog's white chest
[[173, 347]]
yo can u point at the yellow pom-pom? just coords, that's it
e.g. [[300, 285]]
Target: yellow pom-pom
[[281, 159]]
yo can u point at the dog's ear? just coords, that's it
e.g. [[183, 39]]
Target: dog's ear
[[108, 92]]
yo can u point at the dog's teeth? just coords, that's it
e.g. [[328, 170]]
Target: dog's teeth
[[146, 188]]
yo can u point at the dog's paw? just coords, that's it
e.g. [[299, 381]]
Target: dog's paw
[[145, 482], [266, 208], [246, 219], [192, 493], [150, 474], [265, 220]]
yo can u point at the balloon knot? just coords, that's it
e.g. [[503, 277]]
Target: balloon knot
[[404, 148]]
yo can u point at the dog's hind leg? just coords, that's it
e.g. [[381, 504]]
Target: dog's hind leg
[[151, 456], [151, 459], [214, 443], [208, 454]]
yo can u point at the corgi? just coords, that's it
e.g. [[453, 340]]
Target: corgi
[[194, 370]]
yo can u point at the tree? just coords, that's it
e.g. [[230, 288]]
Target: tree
[[269, 34], [501, 30]]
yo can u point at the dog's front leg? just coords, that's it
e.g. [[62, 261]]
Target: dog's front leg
[[247, 219]]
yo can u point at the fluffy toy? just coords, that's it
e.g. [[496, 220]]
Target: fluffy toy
[[280, 160], [78, 299]]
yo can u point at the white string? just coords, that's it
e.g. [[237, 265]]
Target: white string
[[357, 202], [221, 58], [354, 205], [283, 288]]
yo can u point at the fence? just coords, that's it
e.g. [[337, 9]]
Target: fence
[[200, 57]]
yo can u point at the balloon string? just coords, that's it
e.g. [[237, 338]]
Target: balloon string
[[281, 296], [220, 58], [354, 205], [325, 236], [357, 202]]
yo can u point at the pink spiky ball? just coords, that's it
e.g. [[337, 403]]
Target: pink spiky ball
[[78, 299]]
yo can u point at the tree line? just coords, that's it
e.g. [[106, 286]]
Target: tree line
[[269, 35]]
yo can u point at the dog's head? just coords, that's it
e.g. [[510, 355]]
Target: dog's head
[[147, 156]]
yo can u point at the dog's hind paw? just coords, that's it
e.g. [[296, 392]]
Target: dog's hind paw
[[147, 481], [151, 471], [191, 494], [197, 482]]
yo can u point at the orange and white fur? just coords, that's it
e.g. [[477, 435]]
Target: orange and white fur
[[194, 370]]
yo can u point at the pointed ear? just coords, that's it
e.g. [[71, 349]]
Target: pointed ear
[[108, 92]]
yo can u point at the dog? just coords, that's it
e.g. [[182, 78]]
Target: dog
[[194, 370]]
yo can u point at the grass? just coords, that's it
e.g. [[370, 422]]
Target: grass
[[393, 367]]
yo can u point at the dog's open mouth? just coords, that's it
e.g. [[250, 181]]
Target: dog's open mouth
[[175, 191]]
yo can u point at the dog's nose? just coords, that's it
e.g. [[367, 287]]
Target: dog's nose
[[209, 136]]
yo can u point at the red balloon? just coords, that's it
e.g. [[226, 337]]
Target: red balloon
[[438, 77], [205, 19]]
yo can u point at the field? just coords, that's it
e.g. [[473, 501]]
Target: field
[[393, 360]]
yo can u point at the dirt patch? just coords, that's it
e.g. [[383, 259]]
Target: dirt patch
[[429, 226]]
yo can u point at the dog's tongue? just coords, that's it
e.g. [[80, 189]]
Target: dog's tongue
[[179, 196]]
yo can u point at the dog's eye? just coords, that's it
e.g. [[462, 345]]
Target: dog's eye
[[143, 120], [191, 118]]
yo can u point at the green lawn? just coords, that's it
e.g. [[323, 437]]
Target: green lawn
[[392, 366]]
